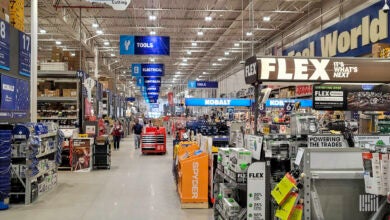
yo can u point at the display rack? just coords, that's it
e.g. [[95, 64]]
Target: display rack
[[28, 185], [59, 98], [101, 153]]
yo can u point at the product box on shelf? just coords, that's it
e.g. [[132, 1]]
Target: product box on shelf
[[231, 207], [54, 66], [226, 190], [16, 12], [56, 54], [223, 155], [52, 93], [240, 159], [69, 92], [376, 49], [4, 10]]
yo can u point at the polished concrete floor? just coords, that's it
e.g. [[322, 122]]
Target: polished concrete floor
[[138, 187]]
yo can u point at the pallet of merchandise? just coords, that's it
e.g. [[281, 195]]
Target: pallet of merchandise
[[195, 205], [54, 66]]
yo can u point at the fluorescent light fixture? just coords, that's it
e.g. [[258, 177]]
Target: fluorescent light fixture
[[214, 64], [42, 31], [194, 44], [227, 53], [152, 17], [113, 55], [106, 43], [189, 52], [184, 59], [152, 59], [208, 18], [249, 33], [266, 18], [73, 54], [178, 72], [95, 25], [200, 33], [236, 44], [152, 33], [58, 42], [204, 73], [219, 59], [99, 32]]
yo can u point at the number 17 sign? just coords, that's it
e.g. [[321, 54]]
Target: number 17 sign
[[24, 54]]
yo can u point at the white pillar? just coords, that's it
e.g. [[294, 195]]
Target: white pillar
[[34, 60], [96, 63]]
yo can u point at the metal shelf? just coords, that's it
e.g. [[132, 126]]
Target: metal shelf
[[46, 153], [57, 99], [34, 178], [242, 186], [48, 135], [57, 118]]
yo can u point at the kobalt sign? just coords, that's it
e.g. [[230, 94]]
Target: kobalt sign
[[119, 5], [323, 69]]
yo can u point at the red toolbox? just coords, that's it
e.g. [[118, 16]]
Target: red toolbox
[[154, 140]]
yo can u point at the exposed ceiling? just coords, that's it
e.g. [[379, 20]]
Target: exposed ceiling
[[225, 38]]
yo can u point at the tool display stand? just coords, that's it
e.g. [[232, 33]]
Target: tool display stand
[[101, 153], [154, 140], [193, 180]]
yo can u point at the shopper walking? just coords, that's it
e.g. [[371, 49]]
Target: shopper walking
[[116, 132], [137, 129]]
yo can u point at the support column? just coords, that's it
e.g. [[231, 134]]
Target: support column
[[34, 60], [96, 63]]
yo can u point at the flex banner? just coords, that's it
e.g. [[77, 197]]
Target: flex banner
[[314, 69]]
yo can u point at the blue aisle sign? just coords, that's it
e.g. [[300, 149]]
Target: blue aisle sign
[[24, 54], [140, 81], [144, 45], [153, 89], [217, 102], [4, 45], [130, 99], [8, 93], [351, 37], [280, 103], [147, 69], [154, 106], [192, 84], [149, 81]]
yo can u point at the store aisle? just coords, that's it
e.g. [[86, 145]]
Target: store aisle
[[138, 187]]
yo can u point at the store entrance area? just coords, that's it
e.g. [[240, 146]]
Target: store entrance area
[[137, 187]]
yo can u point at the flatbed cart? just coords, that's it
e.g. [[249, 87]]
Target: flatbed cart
[[154, 140]]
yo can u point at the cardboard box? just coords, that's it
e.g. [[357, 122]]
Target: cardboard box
[[107, 85], [69, 92], [52, 93], [240, 159], [223, 156], [231, 207], [376, 49], [4, 10], [16, 12], [226, 190]]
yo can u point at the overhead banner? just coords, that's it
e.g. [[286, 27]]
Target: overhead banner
[[352, 97], [144, 45], [192, 84], [147, 69], [116, 5], [217, 102], [149, 81], [353, 36], [251, 70], [24, 54], [4, 45], [326, 141], [349, 70]]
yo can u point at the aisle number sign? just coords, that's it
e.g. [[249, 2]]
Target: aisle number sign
[[24, 54], [4, 45], [144, 45], [147, 69]]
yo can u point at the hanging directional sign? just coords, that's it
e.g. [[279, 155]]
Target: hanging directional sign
[[148, 81], [153, 89], [116, 5], [202, 84], [140, 81], [147, 69], [144, 45]]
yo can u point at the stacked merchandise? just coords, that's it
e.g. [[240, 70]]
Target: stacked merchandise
[[208, 128], [5, 171]]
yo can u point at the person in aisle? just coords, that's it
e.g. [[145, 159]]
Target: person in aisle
[[150, 123], [137, 129], [116, 132]]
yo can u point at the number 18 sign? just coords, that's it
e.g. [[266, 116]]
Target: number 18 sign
[[24, 54], [4, 45]]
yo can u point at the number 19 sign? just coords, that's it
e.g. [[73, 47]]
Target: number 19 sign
[[4, 45], [24, 54]]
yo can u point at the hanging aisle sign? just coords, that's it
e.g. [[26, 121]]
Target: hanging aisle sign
[[144, 45], [119, 5], [148, 81], [4, 45], [352, 36], [153, 89], [350, 70], [147, 69], [24, 54], [192, 84], [251, 70]]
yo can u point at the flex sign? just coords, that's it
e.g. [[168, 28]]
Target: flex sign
[[144, 45], [351, 37], [324, 69], [251, 70]]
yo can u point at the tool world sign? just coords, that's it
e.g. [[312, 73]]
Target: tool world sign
[[323, 70], [351, 36]]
